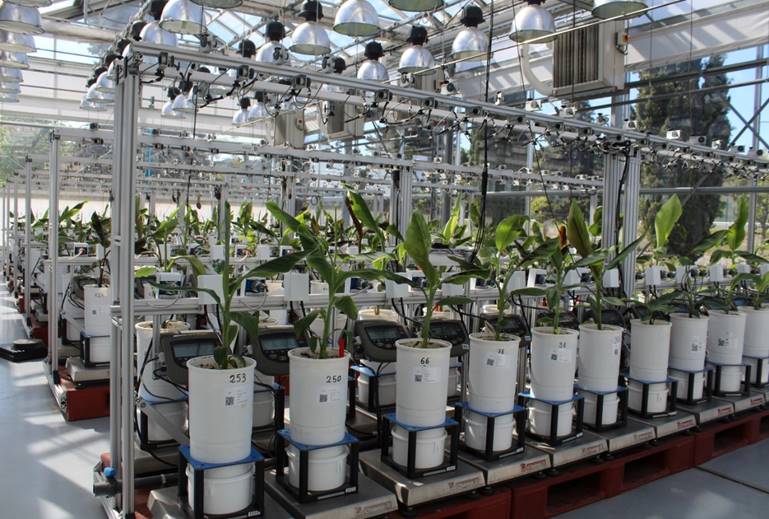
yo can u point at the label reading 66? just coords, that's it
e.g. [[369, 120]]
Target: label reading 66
[[424, 361]]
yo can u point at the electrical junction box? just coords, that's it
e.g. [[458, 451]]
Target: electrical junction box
[[396, 290], [210, 282], [611, 278], [716, 273], [743, 268], [341, 120], [653, 277], [763, 268], [290, 129], [517, 281], [217, 252], [537, 278]]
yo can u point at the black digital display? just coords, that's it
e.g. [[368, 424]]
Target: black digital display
[[445, 330], [385, 333], [186, 350], [276, 342]]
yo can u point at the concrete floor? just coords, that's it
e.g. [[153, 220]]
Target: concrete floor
[[46, 463]]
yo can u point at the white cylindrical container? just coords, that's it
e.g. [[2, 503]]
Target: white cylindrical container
[[318, 389], [658, 397], [151, 385], [756, 341], [386, 383], [264, 406], [726, 338], [475, 431], [327, 468], [553, 363], [220, 412], [421, 385], [384, 314], [491, 374], [97, 320], [174, 412], [224, 494], [598, 358], [688, 340], [429, 451], [275, 288], [649, 350]]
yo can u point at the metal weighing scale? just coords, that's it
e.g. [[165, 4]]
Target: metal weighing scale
[[371, 500], [714, 409], [667, 425], [465, 478], [83, 376], [743, 402], [164, 504], [589, 445], [631, 434], [530, 461]]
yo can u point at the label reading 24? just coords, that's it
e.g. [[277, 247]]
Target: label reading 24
[[333, 379], [238, 378]]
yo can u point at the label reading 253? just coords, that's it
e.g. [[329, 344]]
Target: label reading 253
[[238, 378]]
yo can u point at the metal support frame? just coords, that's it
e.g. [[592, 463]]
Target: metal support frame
[[27, 236], [53, 255], [758, 108], [629, 222], [15, 233]]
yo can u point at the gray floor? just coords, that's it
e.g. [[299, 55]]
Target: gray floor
[[45, 462]]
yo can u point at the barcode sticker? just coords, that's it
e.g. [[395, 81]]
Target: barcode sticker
[[328, 395], [236, 398], [496, 360], [425, 375]]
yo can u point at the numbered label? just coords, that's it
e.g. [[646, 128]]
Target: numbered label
[[238, 378], [333, 379], [424, 361]]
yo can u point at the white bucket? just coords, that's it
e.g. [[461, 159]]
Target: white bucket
[[275, 288], [452, 388], [100, 350], [491, 374], [688, 340], [475, 431], [327, 468], [383, 314], [539, 418], [221, 412], [150, 384], [224, 495], [658, 397], [429, 450], [264, 407], [598, 357], [386, 383], [97, 318], [756, 341], [609, 413], [726, 338], [649, 350], [553, 363], [174, 412], [318, 389], [421, 382]]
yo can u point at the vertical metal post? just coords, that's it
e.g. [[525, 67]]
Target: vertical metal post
[[53, 254], [757, 101], [630, 221], [2, 223], [127, 105], [612, 173], [27, 236], [15, 233]]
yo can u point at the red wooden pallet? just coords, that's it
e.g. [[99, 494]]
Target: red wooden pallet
[[587, 482], [719, 438], [496, 506]]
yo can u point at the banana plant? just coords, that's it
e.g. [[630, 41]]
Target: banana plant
[[598, 260], [226, 355], [101, 225]]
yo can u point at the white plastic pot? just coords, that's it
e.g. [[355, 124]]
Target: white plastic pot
[[221, 412], [658, 397], [491, 374], [688, 340], [598, 356], [452, 388], [275, 288], [174, 412], [756, 341], [475, 431], [384, 314], [318, 389], [421, 382], [386, 383], [264, 407], [152, 386], [100, 350], [429, 451], [598, 359], [726, 338], [97, 318], [327, 468], [223, 495], [553, 363], [649, 350]]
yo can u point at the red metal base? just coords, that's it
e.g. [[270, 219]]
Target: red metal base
[[38, 330], [586, 483], [83, 403], [496, 506]]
